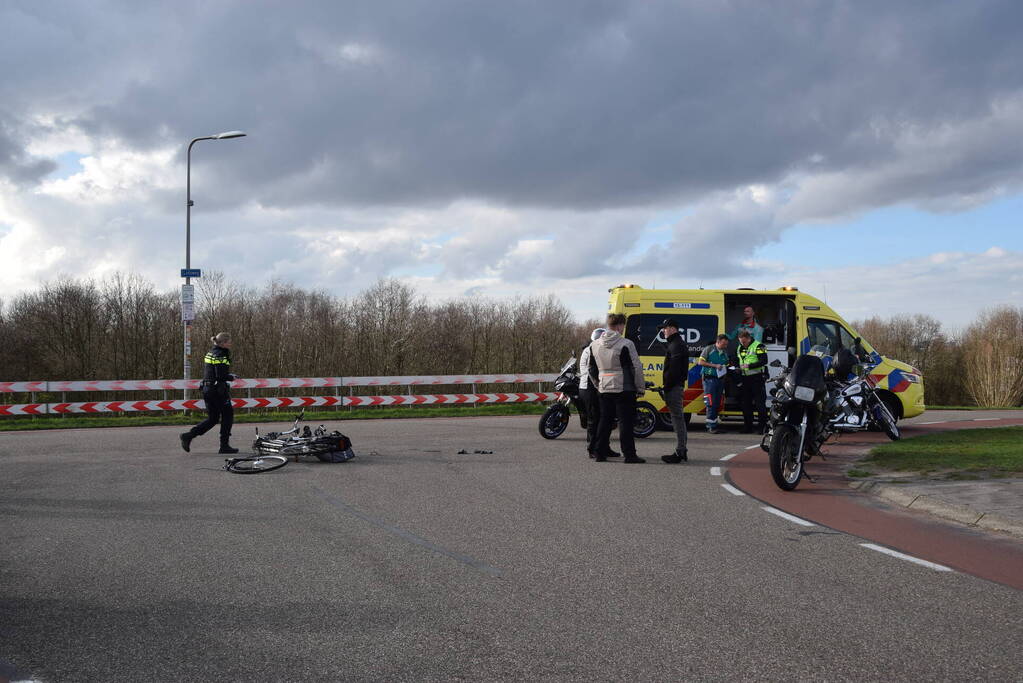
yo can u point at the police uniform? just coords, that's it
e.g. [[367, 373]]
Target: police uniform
[[752, 391], [216, 392]]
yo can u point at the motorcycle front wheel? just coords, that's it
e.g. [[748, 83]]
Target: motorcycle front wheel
[[554, 421], [646, 421], [883, 417], [784, 458]]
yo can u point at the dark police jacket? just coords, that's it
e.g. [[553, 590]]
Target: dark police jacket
[[676, 362], [217, 365]]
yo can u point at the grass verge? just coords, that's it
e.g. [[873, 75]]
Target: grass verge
[[240, 417], [996, 452]]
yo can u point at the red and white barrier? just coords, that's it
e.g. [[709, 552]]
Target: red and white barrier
[[268, 383], [275, 402]]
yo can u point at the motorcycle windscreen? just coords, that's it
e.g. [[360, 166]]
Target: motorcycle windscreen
[[808, 371]]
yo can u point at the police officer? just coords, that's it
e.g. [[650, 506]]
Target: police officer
[[216, 391], [753, 368]]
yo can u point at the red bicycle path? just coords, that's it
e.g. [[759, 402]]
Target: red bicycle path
[[828, 501]]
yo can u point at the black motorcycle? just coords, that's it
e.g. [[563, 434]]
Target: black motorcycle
[[810, 405], [554, 420]]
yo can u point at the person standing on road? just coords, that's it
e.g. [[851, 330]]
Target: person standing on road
[[749, 324], [752, 391], [216, 392], [714, 360], [620, 376], [588, 394], [676, 368]]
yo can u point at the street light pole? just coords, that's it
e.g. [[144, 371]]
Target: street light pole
[[187, 296]]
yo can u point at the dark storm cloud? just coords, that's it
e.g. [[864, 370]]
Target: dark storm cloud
[[16, 165], [547, 104]]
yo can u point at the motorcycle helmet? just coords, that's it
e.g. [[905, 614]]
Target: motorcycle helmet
[[597, 334]]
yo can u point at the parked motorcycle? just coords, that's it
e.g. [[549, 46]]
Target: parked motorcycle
[[809, 407], [554, 420]]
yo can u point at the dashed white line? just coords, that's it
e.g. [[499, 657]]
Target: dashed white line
[[731, 489], [729, 456], [908, 558], [936, 422], [750, 448], [985, 419], [715, 471], [785, 515]]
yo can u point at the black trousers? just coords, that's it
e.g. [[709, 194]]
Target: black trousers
[[753, 394], [590, 399], [218, 409], [622, 404]]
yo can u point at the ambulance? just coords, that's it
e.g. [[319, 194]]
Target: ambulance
[[793, 323]]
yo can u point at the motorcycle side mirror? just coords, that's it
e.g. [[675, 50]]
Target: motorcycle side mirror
[[775, 363]]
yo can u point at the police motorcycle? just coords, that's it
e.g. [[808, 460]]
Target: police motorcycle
[[554, 420], [808, 407], [855, 405]]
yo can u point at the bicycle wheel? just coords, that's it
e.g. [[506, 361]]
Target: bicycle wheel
[[255, 464]]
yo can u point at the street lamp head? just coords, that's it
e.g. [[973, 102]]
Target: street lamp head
[[229, 134]]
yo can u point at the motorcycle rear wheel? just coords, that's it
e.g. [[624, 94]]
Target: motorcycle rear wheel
[[554, 421], [646, 421], [785, 461]]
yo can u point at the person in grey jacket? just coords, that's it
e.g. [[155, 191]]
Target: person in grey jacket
[[620, 382]]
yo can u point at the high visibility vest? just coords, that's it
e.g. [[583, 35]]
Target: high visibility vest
[[749, 355]]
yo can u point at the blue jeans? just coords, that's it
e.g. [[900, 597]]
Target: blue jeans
[[712, 388]]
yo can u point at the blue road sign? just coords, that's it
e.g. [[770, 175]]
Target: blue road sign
[[191, 272]]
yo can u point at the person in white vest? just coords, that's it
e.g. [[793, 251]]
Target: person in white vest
[[620, 383], [588, 394]]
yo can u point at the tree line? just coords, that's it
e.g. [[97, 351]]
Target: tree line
[[123, 327]]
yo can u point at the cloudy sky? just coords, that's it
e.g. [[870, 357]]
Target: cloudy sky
[[869, 151]]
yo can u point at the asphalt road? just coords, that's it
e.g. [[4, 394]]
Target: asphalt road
[[124, 559]]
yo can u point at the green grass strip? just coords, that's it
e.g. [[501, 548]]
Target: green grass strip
[[998, 450], [312, 416]]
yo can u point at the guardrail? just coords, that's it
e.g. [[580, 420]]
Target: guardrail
[[338, 400]]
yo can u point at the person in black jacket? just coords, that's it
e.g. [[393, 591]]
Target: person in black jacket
[[216, 391], [676, 367]]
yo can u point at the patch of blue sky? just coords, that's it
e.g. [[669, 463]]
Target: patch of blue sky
[[68, 164], [895, 234]]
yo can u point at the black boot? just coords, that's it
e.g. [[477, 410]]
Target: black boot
[[225, 447], [675, 458], [186, 441]]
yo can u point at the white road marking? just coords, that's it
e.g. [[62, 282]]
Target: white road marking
[[785, 515], [731, 489], [908, 558], [716, 471], [729, 456], [985, 419], [750, 448], [936, 422]]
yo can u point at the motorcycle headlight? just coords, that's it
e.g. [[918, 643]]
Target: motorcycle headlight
[[804, 393]]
